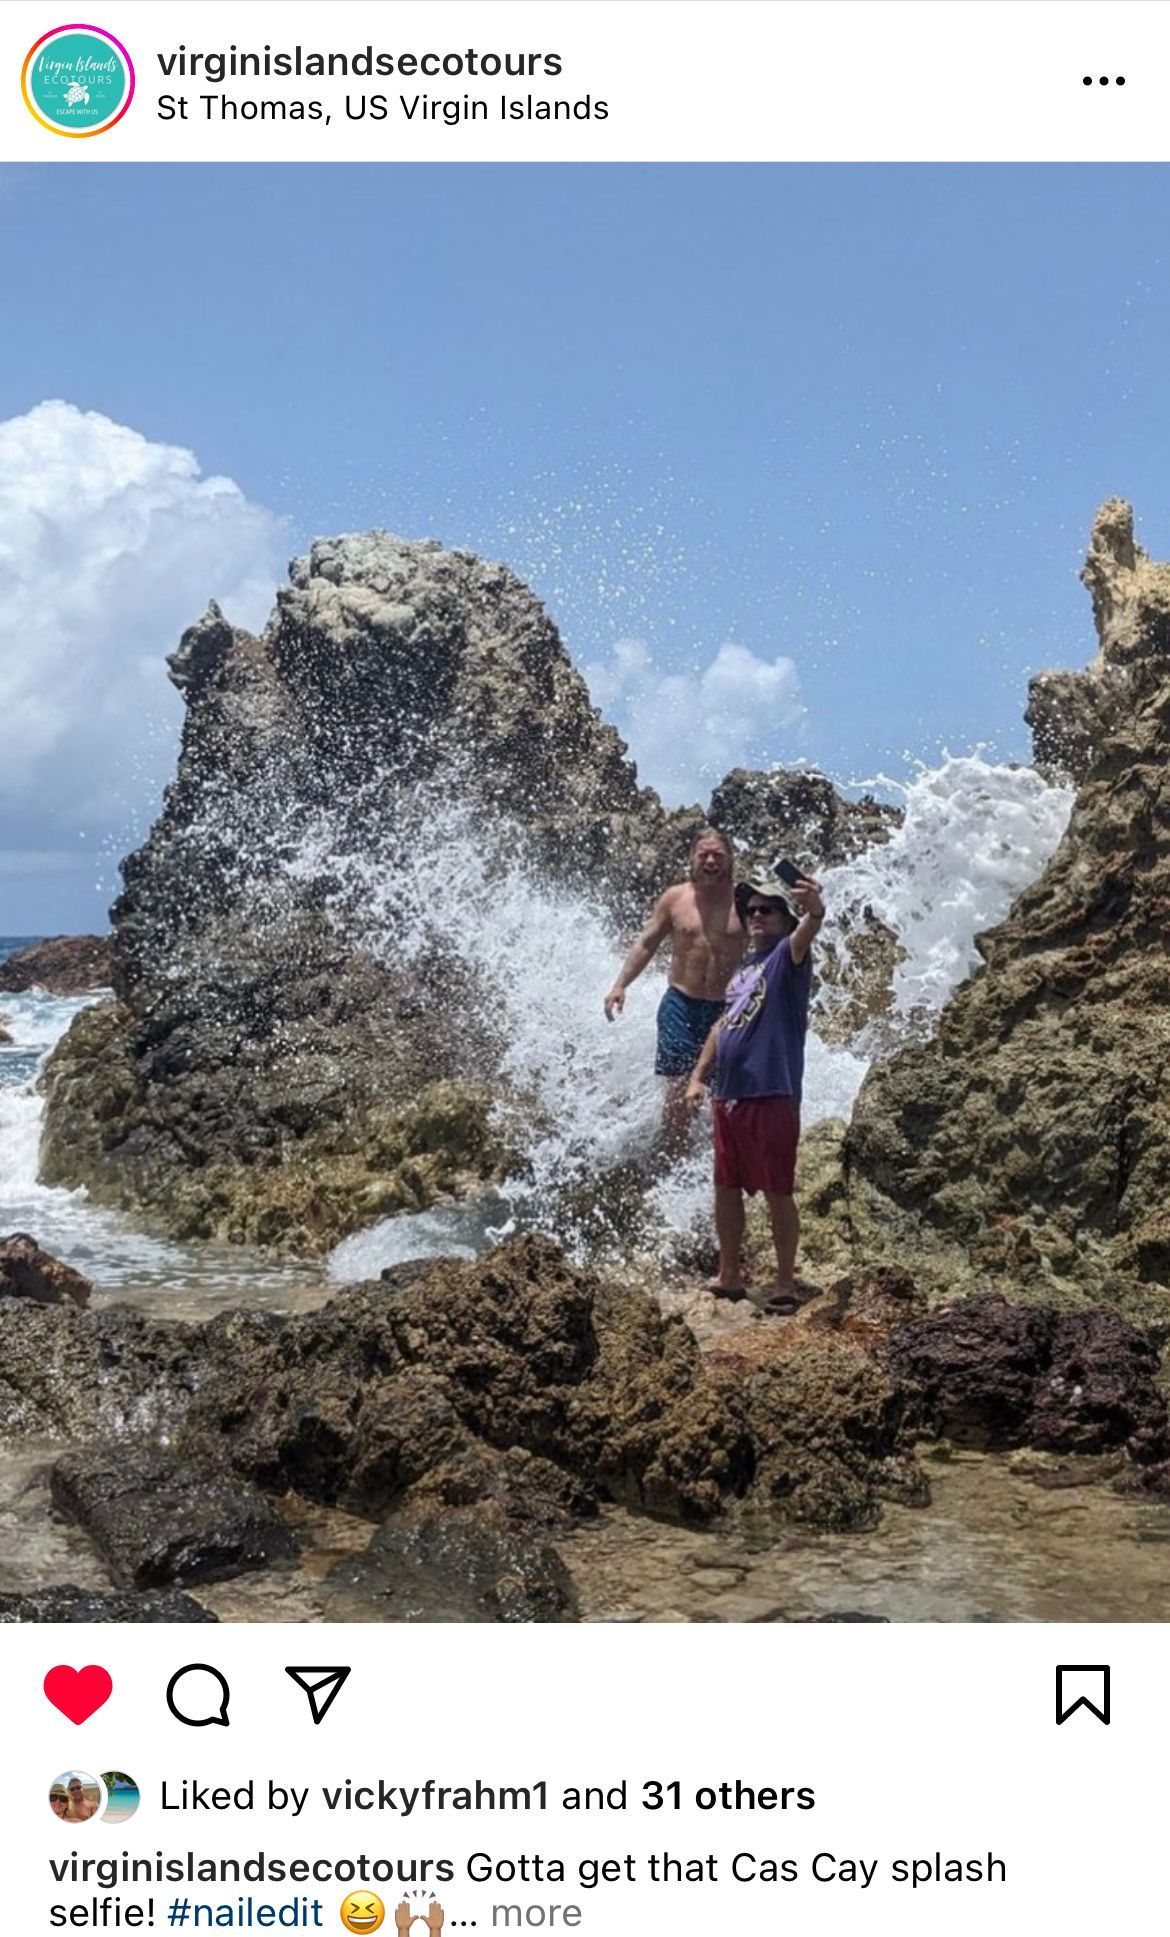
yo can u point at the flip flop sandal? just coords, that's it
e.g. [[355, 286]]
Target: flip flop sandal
[[782, 1304], [733, 1293]]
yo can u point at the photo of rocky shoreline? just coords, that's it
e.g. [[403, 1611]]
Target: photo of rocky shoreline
[[347, 1031]]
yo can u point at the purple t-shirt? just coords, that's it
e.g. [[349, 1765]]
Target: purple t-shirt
[[759, 1050]]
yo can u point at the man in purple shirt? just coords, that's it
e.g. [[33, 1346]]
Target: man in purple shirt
[[757, 1048]]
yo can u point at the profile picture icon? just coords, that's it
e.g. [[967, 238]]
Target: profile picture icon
[[122, 1795], [76, 1797]]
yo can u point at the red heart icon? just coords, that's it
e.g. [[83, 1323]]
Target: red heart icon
[[78, 1692]]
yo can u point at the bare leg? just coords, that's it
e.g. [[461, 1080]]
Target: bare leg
[[729, 1223], [677, 1118], [785, 1236]]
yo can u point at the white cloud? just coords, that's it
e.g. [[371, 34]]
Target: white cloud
[[109, 546], [687, 730]]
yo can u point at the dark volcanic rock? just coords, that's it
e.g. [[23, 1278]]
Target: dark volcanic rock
[[992, 1374], [28, 1272], [66, 965], [1029, 1142], [76, 1604], [159, 1521], [455, 1565]]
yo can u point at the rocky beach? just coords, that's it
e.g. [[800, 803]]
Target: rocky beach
[[346, 1284]]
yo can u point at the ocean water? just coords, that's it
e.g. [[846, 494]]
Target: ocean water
[[118, 1254], [974, 834]]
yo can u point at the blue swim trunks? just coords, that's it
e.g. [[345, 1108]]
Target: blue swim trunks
[[684, 1023]]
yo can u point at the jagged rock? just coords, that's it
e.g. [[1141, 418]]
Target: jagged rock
[[5, 1032], [992, 1374], [516, 1378], [1029, 1141], [74, 1604], [276, 1067], [28, 1272], [827, 1424], [159, 1521], [800, 814], [65, 965]]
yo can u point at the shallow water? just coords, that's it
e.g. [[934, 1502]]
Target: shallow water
[[993, 1546]]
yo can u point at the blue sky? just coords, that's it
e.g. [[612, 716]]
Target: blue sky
[[855, 419]]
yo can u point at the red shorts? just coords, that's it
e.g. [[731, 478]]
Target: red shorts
[[755, 1144]]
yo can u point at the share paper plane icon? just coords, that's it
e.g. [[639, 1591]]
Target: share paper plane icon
[[321, 1685]]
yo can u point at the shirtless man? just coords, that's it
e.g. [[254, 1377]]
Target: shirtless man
[[707, 942], [81, 1808]]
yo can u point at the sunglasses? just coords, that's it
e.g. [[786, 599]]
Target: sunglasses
[[764, 908]]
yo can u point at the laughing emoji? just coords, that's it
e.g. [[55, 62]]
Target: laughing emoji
[[362, 1912]]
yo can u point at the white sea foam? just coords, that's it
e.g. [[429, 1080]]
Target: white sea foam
[[974, 834]]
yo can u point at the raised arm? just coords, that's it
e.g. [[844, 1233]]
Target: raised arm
[[642, 954], [806, 898]]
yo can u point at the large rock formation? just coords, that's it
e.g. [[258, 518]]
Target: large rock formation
[[1029, 1142], [295, 1050]]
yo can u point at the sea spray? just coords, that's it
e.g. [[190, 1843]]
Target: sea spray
[[973, 835], [461, 895]]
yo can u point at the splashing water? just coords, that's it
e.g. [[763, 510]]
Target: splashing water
[[974, 834]]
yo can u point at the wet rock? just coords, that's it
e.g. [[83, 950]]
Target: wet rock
[[455, 1566], [64, 965], [1028, 1143], [74, 1604], [992, 1374], [159, 1521], [5, 1032], [72, 1374], [28, 1272]]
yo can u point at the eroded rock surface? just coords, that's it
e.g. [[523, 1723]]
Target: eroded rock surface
[[1028, 1143]]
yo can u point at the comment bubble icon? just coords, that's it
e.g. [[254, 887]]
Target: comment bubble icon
[[198, 1696]]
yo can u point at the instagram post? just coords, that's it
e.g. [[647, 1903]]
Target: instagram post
[[584, 710], [582, 996]]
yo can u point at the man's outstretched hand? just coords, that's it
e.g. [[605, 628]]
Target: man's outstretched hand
[[615, 1002], [805, 896]]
